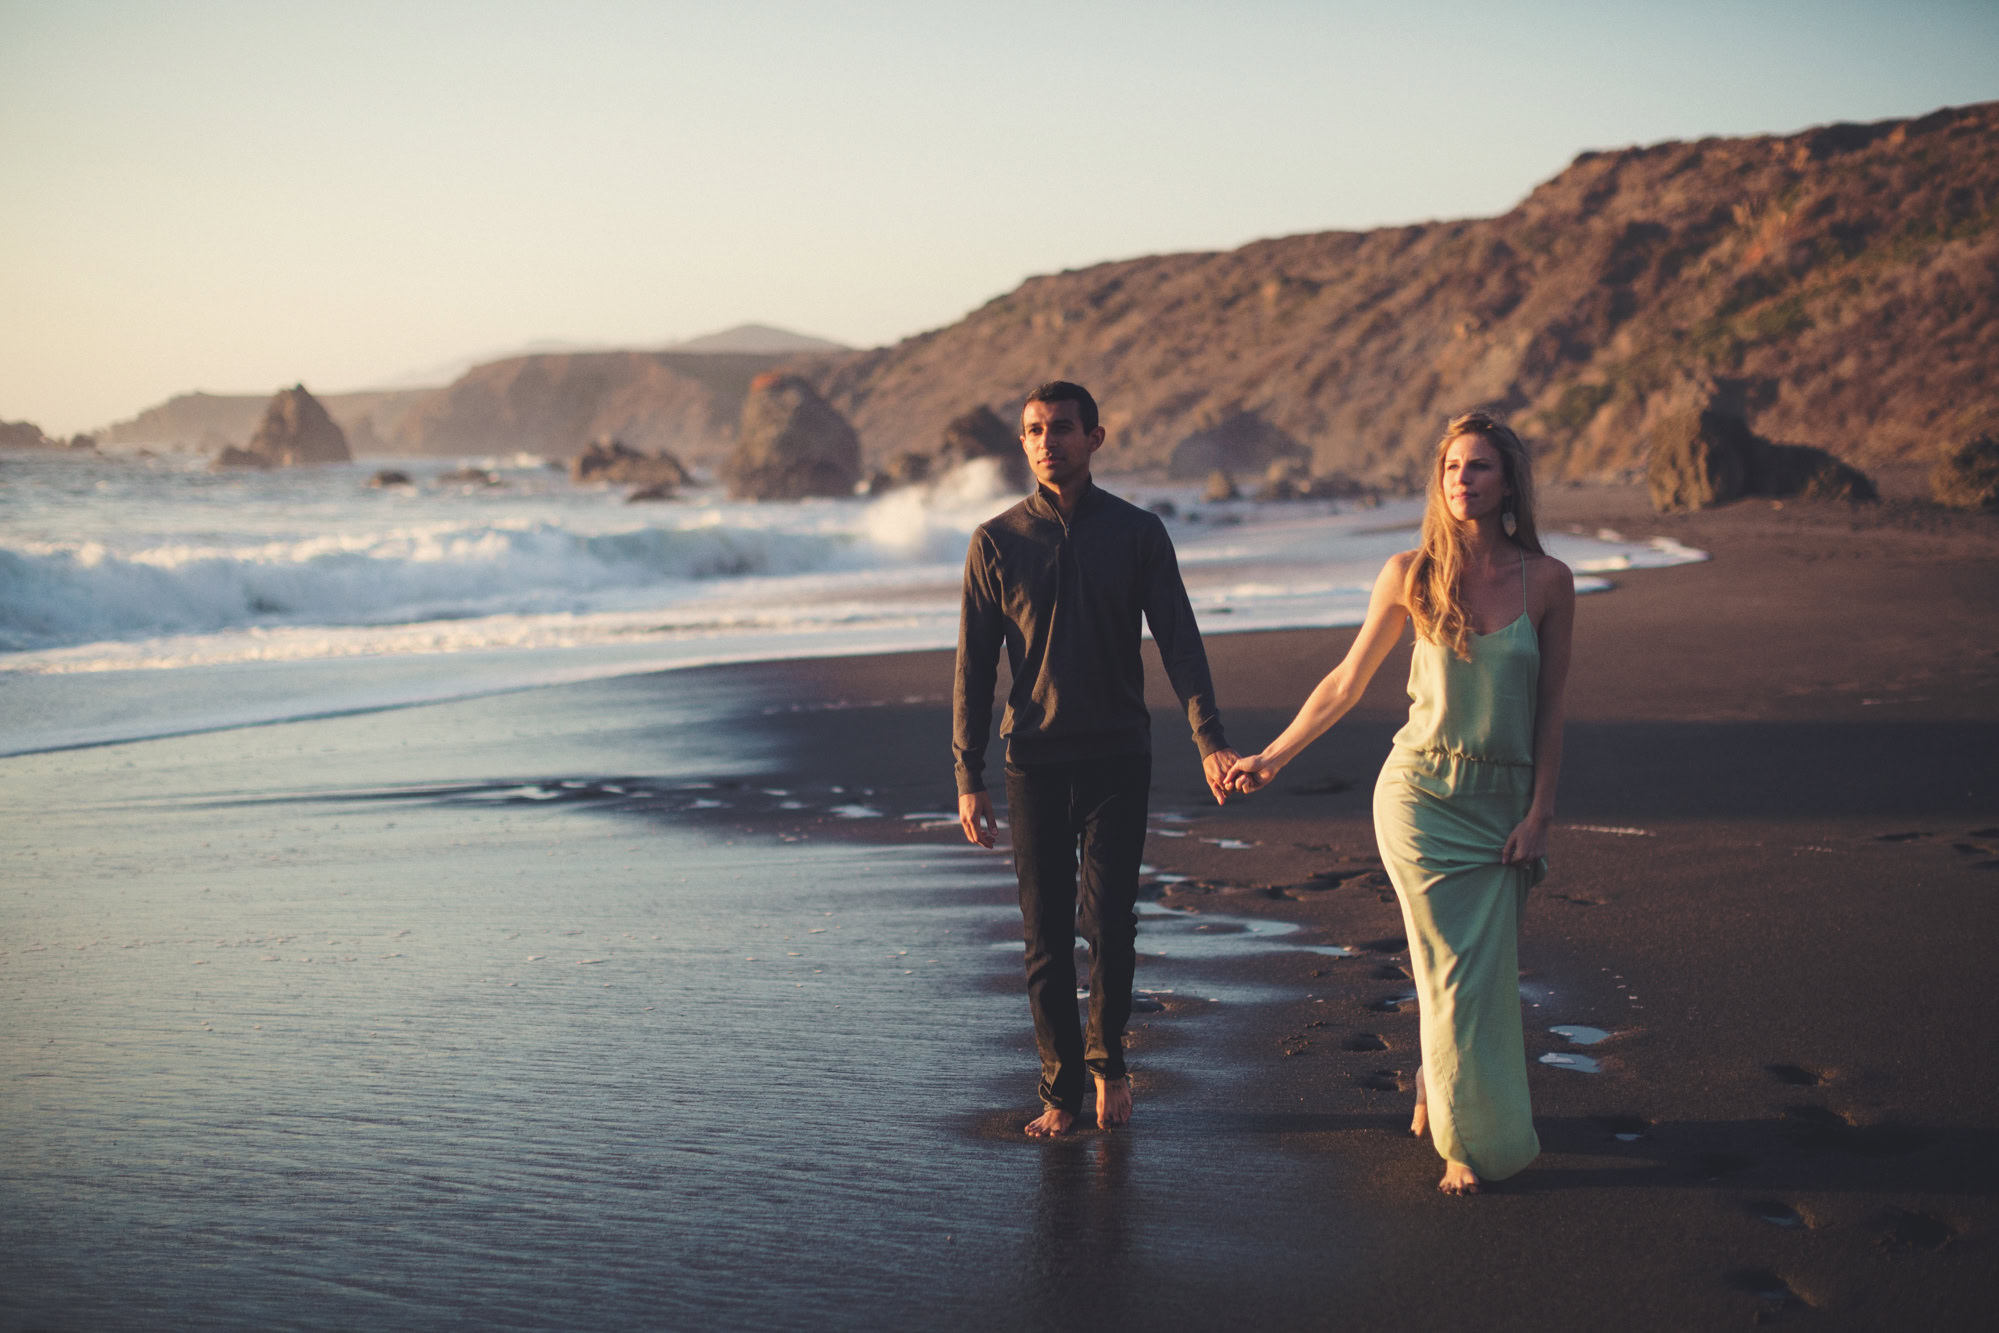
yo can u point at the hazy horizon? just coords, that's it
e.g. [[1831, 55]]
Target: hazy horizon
[[236, 197]]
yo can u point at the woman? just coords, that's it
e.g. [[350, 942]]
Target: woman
[[1462, 807]]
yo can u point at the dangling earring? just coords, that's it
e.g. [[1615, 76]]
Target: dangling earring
[[1506, 518]]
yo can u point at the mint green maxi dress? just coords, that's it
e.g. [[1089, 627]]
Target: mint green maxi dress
[[1457, 783]]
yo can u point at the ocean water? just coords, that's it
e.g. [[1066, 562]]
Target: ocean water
[[503, 1013], [145, 597], [433, 1000]]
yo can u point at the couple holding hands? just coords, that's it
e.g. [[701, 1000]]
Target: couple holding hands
[[1061, 581]]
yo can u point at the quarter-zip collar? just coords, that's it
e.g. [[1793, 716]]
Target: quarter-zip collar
[[1052, 509]]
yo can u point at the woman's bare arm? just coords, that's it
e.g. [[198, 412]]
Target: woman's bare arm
[[1342, 687]]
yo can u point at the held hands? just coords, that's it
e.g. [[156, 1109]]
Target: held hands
[[1216, 769], [1251, 774], [975, 816], [1526, 843]]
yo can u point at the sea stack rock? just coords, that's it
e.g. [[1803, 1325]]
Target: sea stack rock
[[608, 459], [1708, 456], [1700, 458], [295, 431], [980, 433], [791, 444]]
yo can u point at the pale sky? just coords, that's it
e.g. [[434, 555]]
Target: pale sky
[[235, 195]]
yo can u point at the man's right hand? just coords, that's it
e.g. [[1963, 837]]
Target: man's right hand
[[975, 816]]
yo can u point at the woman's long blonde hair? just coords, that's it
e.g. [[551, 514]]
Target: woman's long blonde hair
[[1431, 593]]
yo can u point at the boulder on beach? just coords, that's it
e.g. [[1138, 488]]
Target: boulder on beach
[[388, 476], [1706, 456], [650, 494], [1240, 442], [1221, 486], [1967, 477], [296, 431], [980, 433], [232, 457], [608, 459], [469, 476], [791, 444], [1285, 479]]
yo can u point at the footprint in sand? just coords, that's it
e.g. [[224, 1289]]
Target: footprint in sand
[[1364, 1041], [1821, 1127], [1776, 1214], [1390, 944], [1899, 1229], [1899, 837], [1382, 1080], [1796, 1075], [1394, 1004], [1623, 1128], [1772, 1292]]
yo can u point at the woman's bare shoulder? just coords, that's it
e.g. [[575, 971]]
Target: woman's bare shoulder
[[1550, 577]]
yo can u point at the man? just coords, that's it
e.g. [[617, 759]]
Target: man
[[1061, 580]]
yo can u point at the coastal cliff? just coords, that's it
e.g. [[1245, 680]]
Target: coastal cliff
[[1834, 288]]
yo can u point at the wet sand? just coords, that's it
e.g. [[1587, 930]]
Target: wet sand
[[1774, 888]]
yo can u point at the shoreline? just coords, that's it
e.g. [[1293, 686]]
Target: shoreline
[[1759, 889], [1773, 881]]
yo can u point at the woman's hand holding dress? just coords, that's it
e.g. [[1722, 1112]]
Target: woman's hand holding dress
[[1527, 843]]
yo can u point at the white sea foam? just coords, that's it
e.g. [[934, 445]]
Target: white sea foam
[[263, 596]]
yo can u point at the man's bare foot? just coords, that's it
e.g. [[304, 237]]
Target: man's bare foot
[[1113, 1102], [1419, 1124], [1458, 1179], [1050, 1124]]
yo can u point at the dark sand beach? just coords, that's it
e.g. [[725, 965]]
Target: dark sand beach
[[677, 1000]]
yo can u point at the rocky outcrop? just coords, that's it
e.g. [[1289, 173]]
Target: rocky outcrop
[[549, 404], [1846, 278], [791, 444], [1240, 442], [25, 435], [295, 432], [1221, 486], [231, 457], [211, 421], [978, 434], [609, 460], [1967, 477], [1708, 456]]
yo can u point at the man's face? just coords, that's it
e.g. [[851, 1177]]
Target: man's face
[[1058, 448]]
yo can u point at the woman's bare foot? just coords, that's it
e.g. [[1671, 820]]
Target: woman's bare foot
[[1419, 1124], [1050, 1124], [1458, 1179], [1113, 1102]]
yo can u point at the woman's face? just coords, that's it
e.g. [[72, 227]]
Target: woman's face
[[1474, 479]]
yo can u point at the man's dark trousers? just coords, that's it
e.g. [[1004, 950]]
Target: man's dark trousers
[[1097, 807]]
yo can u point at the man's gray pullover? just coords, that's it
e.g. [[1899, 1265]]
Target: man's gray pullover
[[1065, 597]]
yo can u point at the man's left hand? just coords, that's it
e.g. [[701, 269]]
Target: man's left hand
[[1215, 768]]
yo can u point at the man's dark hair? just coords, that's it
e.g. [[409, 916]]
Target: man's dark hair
[[1061, 391]]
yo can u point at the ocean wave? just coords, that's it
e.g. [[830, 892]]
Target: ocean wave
[[57, 594]]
